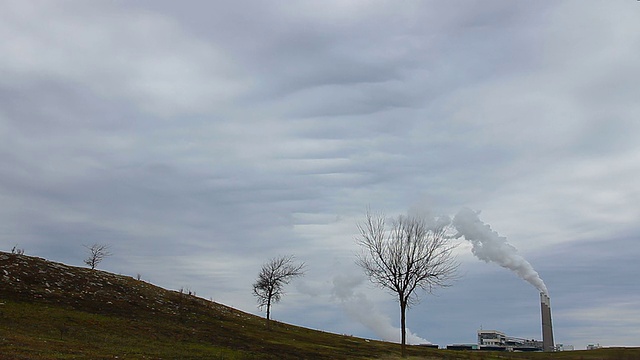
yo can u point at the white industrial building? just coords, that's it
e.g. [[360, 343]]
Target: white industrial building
[[497, 340]]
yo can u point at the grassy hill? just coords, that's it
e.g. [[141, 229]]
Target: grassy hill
[[50, 310]]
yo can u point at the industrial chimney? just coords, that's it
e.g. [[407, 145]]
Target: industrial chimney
[[547, 327]]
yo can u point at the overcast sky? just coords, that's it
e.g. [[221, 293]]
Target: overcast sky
[[198, 139]]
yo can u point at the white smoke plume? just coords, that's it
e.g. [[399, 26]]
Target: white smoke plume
[[489, 246], [361, 309]]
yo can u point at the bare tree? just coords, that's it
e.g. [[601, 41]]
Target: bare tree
[[410, 255], [97, 253], [275, 273]]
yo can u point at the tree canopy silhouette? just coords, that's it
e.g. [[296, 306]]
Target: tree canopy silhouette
[[275, 273], [409, 255]]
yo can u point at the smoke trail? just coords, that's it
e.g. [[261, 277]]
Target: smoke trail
[[359, 308], [489, 246]]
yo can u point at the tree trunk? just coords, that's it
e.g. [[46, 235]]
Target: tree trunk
[[268, 308], [403, 327], [269, 313]]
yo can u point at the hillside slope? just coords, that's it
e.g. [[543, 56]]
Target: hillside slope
[[50, 310]]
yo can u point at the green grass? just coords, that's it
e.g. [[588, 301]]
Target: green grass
[[54, 311]]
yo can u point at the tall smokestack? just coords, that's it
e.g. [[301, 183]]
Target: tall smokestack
[[547, 327]]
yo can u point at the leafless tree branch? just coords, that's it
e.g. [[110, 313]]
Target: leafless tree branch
[[275, 273], [406, 256], [97, 253]]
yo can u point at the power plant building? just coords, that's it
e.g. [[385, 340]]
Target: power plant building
[[497, 340], [494, 340], [491, 338]]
